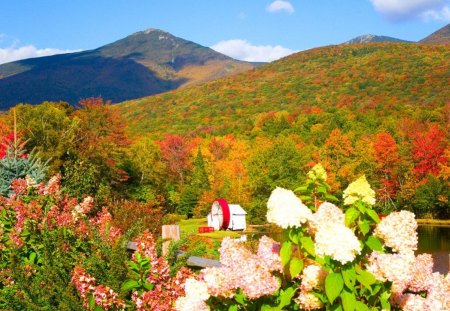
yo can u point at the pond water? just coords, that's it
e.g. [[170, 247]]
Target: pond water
[[434, 239]]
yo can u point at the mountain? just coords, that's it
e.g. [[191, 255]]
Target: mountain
[[142, 64], [369, 83], [441, 36], [374, 38]]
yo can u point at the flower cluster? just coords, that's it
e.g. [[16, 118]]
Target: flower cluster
[[313, 278], [414, 285], [242, 269], [104, 296], [359, 190], [286, 210], [327, 213], [338, 242], [317, 173], [166, 289], [398, 231], [196, 295], [103, 222]]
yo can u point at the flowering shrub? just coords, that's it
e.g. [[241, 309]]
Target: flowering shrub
[[44, 234], [95, 296], [329, 259]]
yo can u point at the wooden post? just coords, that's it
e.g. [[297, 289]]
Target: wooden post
[[169, 232]]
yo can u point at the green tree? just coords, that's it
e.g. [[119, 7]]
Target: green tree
[[198, 184], [49, 130], [277, 165], [17, 164]]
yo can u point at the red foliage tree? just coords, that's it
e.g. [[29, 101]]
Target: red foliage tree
[[175, 151], [387, 159], [429, 152]]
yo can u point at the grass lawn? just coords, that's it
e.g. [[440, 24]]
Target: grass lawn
[[190, 226]]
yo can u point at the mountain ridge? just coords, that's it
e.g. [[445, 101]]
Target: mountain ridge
[[145, 63]]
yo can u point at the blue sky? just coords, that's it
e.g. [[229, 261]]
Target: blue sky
[[255, 30]]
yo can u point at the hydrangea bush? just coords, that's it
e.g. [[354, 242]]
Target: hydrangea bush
[[330, 258]]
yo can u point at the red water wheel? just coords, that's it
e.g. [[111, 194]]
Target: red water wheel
[[221, 212]]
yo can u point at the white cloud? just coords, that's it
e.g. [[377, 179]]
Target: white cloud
[[244, 50], [280, 5], [439, 15], [14, 53], [413, 9]]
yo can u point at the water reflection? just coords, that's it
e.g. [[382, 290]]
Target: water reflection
[[433, 239]]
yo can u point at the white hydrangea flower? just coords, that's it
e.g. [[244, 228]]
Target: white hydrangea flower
[[196, 295], [359, 190], [398, 231], [286, 210], [338, 242], [326, 213]]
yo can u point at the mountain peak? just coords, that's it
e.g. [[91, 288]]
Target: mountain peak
[[369, 38], [149, 31]]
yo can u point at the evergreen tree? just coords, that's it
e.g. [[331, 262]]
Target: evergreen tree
[[199, 183], [17, 164]]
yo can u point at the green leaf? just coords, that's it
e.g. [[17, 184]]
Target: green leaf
[[130, 285], [301, 189], [91, 302], [361, 207], [295, 267], [293, 236], [373, 215], [286, 297], [148, 286], [233, 308], [305, 198], [360, 306], [286, 252], [308, 245], [336, 307], [349, 276], [240, 298], [330, 197], [366, 278], [348, 300], [322, 189], [364, 226], [374, 243], [333, 286], [350, 215], [384, 298]]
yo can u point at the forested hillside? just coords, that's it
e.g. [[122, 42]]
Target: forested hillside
[[376, 109], [372, 82]]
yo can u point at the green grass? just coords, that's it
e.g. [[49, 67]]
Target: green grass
[[190, 226]]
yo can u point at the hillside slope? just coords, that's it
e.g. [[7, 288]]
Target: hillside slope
[[441, 36], [142, 64], [357, 78]]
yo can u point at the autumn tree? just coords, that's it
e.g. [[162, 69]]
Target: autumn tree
[[387, 158], [428, 152], [175, 152], [277, 164], [101, 141], [49, 129]]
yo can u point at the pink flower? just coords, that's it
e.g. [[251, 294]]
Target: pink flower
[[313, 277], [269, 254], [398, 231]]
